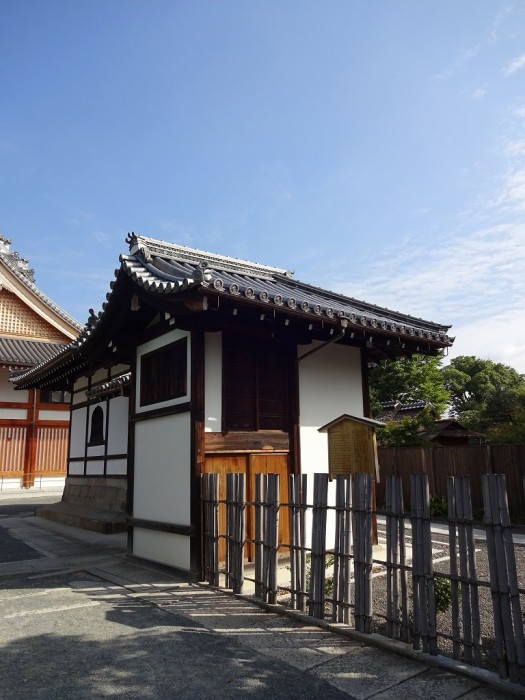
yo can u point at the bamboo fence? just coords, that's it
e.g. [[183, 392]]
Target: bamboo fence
[[328, 570]]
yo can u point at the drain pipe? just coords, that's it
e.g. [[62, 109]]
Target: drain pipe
[[337, 337]]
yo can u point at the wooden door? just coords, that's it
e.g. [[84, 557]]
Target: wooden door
[[251, 464]]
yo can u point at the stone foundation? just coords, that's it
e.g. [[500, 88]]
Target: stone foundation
[[92, 503]]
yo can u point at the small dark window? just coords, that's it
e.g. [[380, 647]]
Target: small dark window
[[96, 434], [163, 373], [50, 396]]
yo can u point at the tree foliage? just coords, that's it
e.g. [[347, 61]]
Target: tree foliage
[[417, 378], [488, 397], [407, 380]]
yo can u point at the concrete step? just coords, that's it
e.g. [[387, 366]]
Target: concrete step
[[103, 521]]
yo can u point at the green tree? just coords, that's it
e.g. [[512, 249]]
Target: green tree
[[487, 396], [416, 378]]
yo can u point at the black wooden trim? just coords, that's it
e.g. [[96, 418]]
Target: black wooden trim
[[294, 460], [161, 412], [97, 476], [158, 526], [91, 458], [131, 449], [365, 383]]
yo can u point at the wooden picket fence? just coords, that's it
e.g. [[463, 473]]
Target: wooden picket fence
[[295, 573]]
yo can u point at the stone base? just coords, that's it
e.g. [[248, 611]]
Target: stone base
[[92, 503]]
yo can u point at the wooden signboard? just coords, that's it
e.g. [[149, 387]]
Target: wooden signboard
[[352, 446]]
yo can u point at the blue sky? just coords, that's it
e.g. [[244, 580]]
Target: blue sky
[[375, 148]]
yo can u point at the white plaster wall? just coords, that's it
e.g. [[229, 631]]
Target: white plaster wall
[[96, 451], [118, 425], [7, 390], [117, 467], [53, 415], [119, 369], [101, 375], [81, 383], [155, 344], [162, 547], [329, 385], [213, 382], [95, 468], [76, 469], [13, 413], [79, 398], [78, 432], [162, 469]]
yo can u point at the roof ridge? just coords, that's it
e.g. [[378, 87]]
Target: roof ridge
[[152, 246]]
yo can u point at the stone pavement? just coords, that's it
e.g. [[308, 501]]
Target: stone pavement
[[80, 621]]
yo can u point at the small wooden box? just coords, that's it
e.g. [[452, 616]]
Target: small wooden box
[[352, 446]]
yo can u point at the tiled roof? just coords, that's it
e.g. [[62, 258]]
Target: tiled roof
[[20, 268], [168, 270], [113, 387], [18, 353]]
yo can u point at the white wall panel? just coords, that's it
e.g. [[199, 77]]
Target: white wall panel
[[76, 469], [7, 390], [162, 469], [13, 413], [329, 385], [118, 425], [117, 467], [162, 547], [53, 415], [95, 468], [78, 432]]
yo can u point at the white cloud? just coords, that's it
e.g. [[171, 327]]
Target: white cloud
[[515, 148], [514, 65], [500, 338], [479, 94]]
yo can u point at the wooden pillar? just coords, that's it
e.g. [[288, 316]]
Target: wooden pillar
[[31, 442]]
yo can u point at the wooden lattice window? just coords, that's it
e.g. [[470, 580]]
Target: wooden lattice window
[[255, 384], [163, 373]]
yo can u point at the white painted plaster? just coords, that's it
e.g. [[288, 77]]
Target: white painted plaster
[[161, 341], [76, 469], [118, 370], [329, 385], [77, 429], [162, 547], [162, 469], [7, 390], [13, 413], [53, 415], [101, 375], [96, 451], [117, 438], [95, 468], [213, 382], [79, 398], [81, 383], [116, 467]]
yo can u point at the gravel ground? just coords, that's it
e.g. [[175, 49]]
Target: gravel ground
[[444, 619]]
